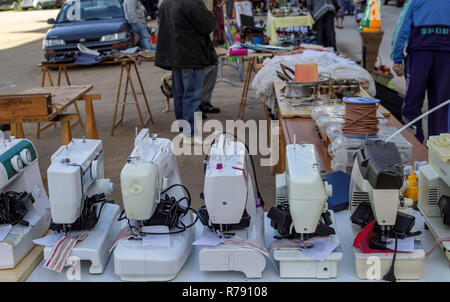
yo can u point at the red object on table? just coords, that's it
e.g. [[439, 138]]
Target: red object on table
[[363, 238]]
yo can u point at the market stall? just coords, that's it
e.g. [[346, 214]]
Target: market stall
[[273, 23]]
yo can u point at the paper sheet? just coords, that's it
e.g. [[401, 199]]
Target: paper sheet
[[209, 239], [156, 240], [320, 250], [48, 240], [403, 245], [4, 230]]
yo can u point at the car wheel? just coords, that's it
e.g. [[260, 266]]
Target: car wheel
[[39, 6], [399, 3], [386, 2]]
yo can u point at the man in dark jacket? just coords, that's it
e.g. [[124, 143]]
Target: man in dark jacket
[[184, 46], [323, 12]]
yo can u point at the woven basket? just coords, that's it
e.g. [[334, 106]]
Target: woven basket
[[371, 41], [381, 78]]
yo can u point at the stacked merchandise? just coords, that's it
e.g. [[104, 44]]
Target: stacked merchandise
[[294, 35], [330, 119]]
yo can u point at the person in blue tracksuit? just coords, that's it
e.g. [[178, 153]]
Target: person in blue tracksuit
[[424, 28]]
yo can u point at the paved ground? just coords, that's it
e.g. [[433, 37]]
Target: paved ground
[[21, 36]]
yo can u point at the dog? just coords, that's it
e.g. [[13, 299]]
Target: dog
[[166, 88]]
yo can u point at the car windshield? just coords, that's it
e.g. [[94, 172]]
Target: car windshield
[[84, 10]]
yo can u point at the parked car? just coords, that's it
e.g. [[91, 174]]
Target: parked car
[[9, 4], [40, 4], [97, 24]]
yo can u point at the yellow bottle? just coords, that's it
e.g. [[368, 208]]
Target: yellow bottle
[[413, 191]]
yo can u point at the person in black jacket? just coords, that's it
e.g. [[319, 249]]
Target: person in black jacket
[[184, 46]]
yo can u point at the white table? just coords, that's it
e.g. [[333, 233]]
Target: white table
[[435, 269]]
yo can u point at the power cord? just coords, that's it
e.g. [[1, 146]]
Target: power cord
[[169, 212], [89, 215], [14, 206]]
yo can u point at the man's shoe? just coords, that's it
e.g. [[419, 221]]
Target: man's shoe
[[209, 109]]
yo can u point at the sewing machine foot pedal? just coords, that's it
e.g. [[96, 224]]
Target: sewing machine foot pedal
[[235, 258], [95, 247], [135, 262], [294, 265]]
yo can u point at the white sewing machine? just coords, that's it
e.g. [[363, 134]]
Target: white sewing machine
[[434, 189], [75, 174], [376, 192], [301, 213], [150, 170], [233, 210], [19, 172]]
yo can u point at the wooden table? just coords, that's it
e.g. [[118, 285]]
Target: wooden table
[[61, 98], [304, 129]]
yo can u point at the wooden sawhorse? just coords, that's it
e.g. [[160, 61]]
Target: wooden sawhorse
[[252, 66], [127, 67]]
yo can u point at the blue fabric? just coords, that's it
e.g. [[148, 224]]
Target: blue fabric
[[82, 58], [423, 25], [144, 36], [341, 183], [187, 86], [427, 71]]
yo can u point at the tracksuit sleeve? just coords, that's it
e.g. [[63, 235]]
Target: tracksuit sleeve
[[402, 32]]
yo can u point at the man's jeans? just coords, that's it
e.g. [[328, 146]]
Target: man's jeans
[[187, 87], [209, 83], [144, 35], [348, 7]]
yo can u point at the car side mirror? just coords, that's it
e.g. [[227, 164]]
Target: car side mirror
[[51, 21]]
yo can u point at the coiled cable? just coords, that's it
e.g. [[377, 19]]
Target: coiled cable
[[360, 119]]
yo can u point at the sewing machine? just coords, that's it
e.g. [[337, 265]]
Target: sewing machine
[[19, 172], [434, 189], [77, 187], [301, 213], [232, 211], [377, 193], [150, 174]]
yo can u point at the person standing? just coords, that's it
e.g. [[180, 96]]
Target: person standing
[[323, 12], [136, 17], [230, 8], [210, 71], [349, 9], [185, 47], [340, 14], [424, 28]]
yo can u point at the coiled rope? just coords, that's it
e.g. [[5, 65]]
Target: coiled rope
[[360, 119]]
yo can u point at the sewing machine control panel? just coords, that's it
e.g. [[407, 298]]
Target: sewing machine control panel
[[15, 156]]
